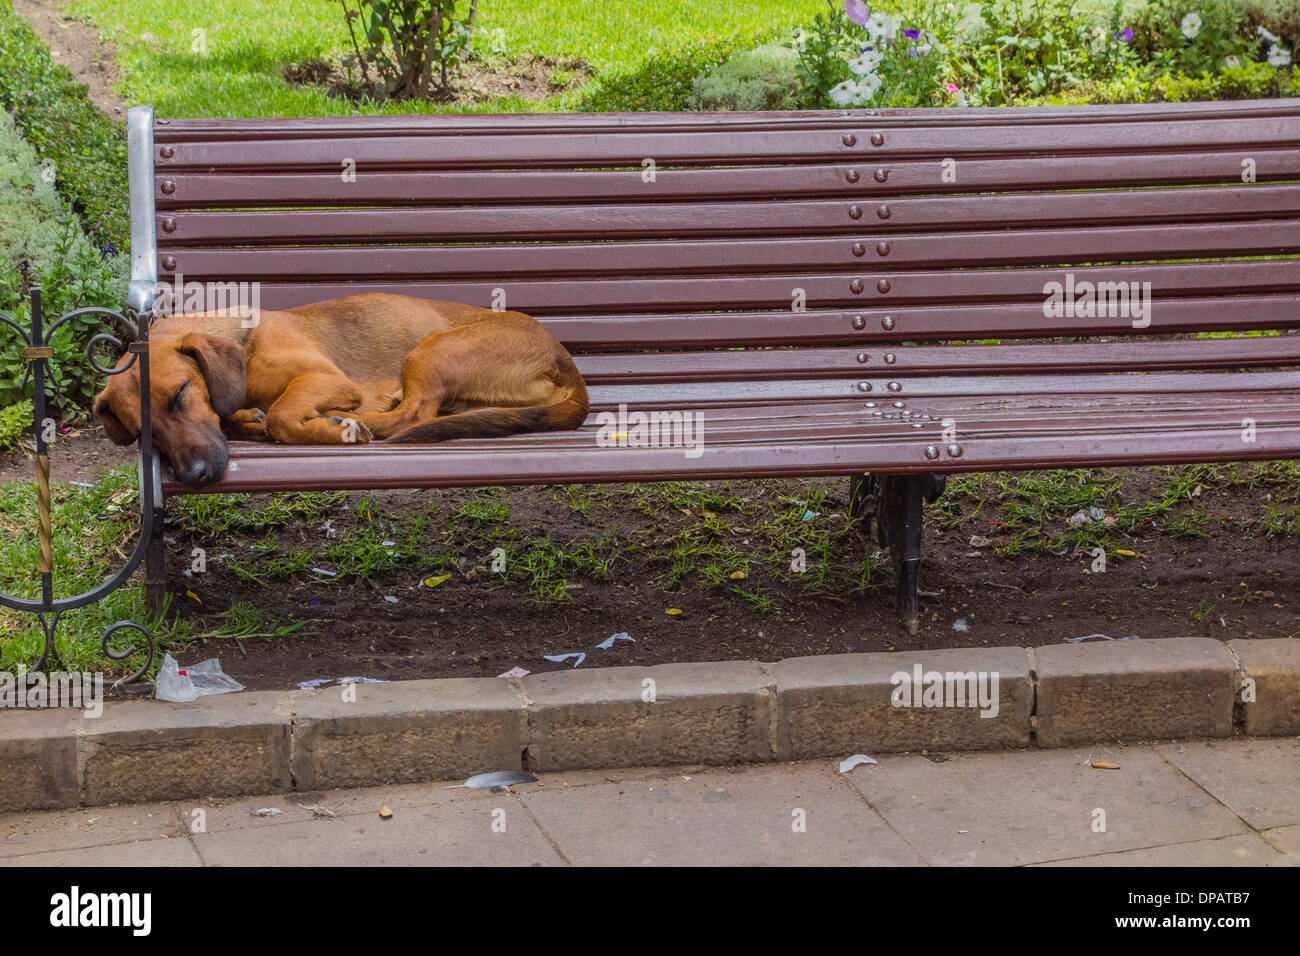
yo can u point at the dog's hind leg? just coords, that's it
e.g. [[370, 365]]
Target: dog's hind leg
[[423, 392]]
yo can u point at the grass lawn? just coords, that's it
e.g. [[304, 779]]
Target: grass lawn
[[250, 41]]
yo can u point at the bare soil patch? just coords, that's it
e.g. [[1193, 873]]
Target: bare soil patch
[[77, 46]]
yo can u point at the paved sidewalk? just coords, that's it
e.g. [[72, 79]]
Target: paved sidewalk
[[1220, 802]]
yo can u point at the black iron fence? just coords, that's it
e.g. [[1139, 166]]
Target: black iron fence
[[38, 352]]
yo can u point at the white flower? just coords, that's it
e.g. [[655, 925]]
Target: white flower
[[867, 87], [1191, 25], [855, 92], [1232, 62], [881, 26], [845, 93], [1263, 32], [1278, 56], [868, 62]]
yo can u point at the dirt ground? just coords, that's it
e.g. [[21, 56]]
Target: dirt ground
[[77, 46], [1227, 584]]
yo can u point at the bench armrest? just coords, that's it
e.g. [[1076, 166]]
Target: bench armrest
[[144, 238]]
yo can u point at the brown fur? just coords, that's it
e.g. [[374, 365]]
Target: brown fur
[[373, 366]]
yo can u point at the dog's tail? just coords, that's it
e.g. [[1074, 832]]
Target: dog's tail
[[569, 412]]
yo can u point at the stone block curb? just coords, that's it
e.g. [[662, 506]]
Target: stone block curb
[[707, 713]]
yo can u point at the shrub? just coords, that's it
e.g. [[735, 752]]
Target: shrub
[[759, 79], [415, 47], [43, 243], [1189, 36], [15, 420], [83, 148], [663, 80]]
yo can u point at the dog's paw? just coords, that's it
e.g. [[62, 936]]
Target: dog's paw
[[351, 430]]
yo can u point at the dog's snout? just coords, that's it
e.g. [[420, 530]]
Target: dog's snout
[[197, 473]]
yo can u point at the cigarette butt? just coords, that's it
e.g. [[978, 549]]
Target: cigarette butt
[[1105, 766]]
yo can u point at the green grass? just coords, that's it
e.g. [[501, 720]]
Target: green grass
[[249, 42]]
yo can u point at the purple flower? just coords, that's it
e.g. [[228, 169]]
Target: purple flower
[[857, 11], [911, 52], [867, 48], [1124, 35], [913, 34]]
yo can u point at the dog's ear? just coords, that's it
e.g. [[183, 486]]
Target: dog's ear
[[223, 366], [116, 431]]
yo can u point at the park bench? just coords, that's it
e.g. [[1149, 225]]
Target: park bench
[[820, 287]]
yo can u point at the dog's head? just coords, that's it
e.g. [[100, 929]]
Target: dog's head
[[195, 380]]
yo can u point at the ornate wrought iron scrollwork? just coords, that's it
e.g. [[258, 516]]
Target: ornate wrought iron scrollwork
[[38, 352]]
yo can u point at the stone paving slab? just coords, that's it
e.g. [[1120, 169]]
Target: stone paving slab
[[1286, 839], [1244, 850], [1257, 778], [747, 819], [1170, 804], [177, 851], [34, 832], [1004, 809], [457, 833]]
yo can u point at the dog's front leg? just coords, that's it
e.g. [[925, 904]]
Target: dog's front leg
[[318, 409], [247, 424]]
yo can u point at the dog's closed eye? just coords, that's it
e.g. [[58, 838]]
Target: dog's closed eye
[[175, 406]]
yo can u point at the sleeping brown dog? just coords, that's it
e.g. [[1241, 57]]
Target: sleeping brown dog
[[374, 366]]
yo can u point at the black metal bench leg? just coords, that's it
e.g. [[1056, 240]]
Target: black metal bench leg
[[155, 564], [897, 504]]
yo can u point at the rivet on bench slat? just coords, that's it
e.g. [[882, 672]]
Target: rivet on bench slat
[[878, 413], [850, 140], [852, 176], [859, 322], [887, 323], [168, 187], [855, 212], [883, 212], [883, 286], [890, 358], [917, 425], [169, 263], [864, 386], [870, 404], [881, 175], [882, 248], [169, 224], [856, 286], [954, 450], [931, 452], [859, 249], [877, 139], [899, 404], [894, 387], [167, 152], [862, 356]]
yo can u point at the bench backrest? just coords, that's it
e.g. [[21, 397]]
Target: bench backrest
[[715, 237]]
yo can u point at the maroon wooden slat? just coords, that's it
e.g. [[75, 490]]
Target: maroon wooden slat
[[876, 326], [173, 130], [858, 142], [883, 387], [870, 289], [952, 250], [232, 188], [771, 364]]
